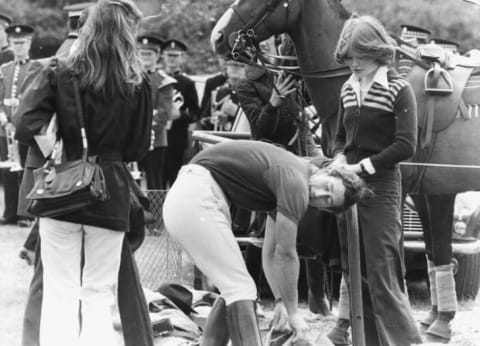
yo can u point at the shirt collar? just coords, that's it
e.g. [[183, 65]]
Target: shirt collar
[[380, 77]]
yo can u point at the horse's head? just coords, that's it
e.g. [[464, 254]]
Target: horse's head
[[248, 22]]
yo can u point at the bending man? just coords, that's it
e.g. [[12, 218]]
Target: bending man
[[261, 177]]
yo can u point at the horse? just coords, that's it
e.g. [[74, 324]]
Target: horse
[[434, 177]]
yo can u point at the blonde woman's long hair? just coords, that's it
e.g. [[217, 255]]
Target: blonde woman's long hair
[[106, 59]]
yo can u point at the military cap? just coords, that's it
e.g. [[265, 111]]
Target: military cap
[[75, 10], [19, 30], [449, 45], [410, 32], [5, 19], [174, 44], [149, 41]]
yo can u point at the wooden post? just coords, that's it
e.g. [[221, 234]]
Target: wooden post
[[355, 277]]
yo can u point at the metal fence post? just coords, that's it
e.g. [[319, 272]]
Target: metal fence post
[[355, 277]]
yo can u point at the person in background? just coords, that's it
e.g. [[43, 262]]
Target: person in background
[[81, 251], [270, 103], [6, 53], [377, 128], [212, 83], [164, 112], [17, 76], [74, 12], [222, 105], [178, 135]]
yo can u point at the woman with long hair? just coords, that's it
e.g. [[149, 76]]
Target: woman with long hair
[[81, 250], [377, 128]]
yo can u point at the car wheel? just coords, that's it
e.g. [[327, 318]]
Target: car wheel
[[467, 278]]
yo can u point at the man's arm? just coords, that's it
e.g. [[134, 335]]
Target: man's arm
[[280, 260]]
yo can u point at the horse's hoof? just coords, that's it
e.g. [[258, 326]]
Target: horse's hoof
[[428, 320], [439, 331], [339, 337]]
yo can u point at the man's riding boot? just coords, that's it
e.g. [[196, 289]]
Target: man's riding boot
[[216, 330], [433, 313], [440, 330], [242, 324]]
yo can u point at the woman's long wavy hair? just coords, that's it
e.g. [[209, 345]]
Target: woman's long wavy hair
[[106, 59]]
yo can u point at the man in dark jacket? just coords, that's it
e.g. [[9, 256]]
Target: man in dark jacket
[[178, 135]]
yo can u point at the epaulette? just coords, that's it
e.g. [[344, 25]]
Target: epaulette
[[7, 63]]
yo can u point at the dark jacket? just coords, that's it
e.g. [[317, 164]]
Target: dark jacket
[[211, 84], [117, 131], [189, 112], [274, 124]]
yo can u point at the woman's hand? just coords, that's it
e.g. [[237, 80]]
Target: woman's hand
[[355, 168], [339, 161], [280, 317], [284, 86]]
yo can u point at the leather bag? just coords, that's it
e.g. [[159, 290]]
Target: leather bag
[[69, 186]]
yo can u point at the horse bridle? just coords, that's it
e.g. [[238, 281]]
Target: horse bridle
[[247, 38]]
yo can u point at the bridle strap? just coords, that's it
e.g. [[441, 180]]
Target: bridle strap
[[269, 7]]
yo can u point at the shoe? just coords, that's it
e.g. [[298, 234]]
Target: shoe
[[23, 223], [4, 221]]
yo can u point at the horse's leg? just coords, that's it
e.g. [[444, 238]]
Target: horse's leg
[[441, 209], [423, 210]]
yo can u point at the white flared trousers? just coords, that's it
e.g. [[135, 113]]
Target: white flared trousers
[[197, 215], [77, 301]]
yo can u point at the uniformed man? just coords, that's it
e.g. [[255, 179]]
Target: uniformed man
[[74, 12], [149, 49], [415, 35], [6, 53], [211, 84], [178, 137], [17, 74], [222, 105], [448, 45]]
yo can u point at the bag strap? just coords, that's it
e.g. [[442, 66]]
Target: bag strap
[[81, 120]]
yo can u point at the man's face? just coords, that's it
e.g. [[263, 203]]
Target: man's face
[[20, 46], [326, 191], [148, 57], [173, 58]]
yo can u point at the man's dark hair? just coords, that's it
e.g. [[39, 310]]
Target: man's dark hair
[[355, 188]]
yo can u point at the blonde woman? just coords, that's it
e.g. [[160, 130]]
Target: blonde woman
[[81, 251], [377, 129]]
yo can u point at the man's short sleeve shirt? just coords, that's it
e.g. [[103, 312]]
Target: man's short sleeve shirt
[[259, 176]]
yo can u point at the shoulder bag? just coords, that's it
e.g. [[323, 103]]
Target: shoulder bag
[[69, 186]]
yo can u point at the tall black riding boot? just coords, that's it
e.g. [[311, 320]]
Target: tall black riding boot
[[215, 332], [242, 324]]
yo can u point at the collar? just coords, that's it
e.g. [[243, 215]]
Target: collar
[[380, 77], [22, 62]]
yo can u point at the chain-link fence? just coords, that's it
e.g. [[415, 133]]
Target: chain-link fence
[[160, 259]]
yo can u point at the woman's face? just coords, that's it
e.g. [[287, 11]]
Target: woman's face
[[361, 66]]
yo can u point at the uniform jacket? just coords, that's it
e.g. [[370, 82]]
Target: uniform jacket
[[189, 112], [211, 84], [162, 95], [274, 124], [26, 74], [117, 131]]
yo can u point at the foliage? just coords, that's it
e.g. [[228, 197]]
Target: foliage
[[192, 21]]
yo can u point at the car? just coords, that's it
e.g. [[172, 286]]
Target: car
[[465, 244]]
